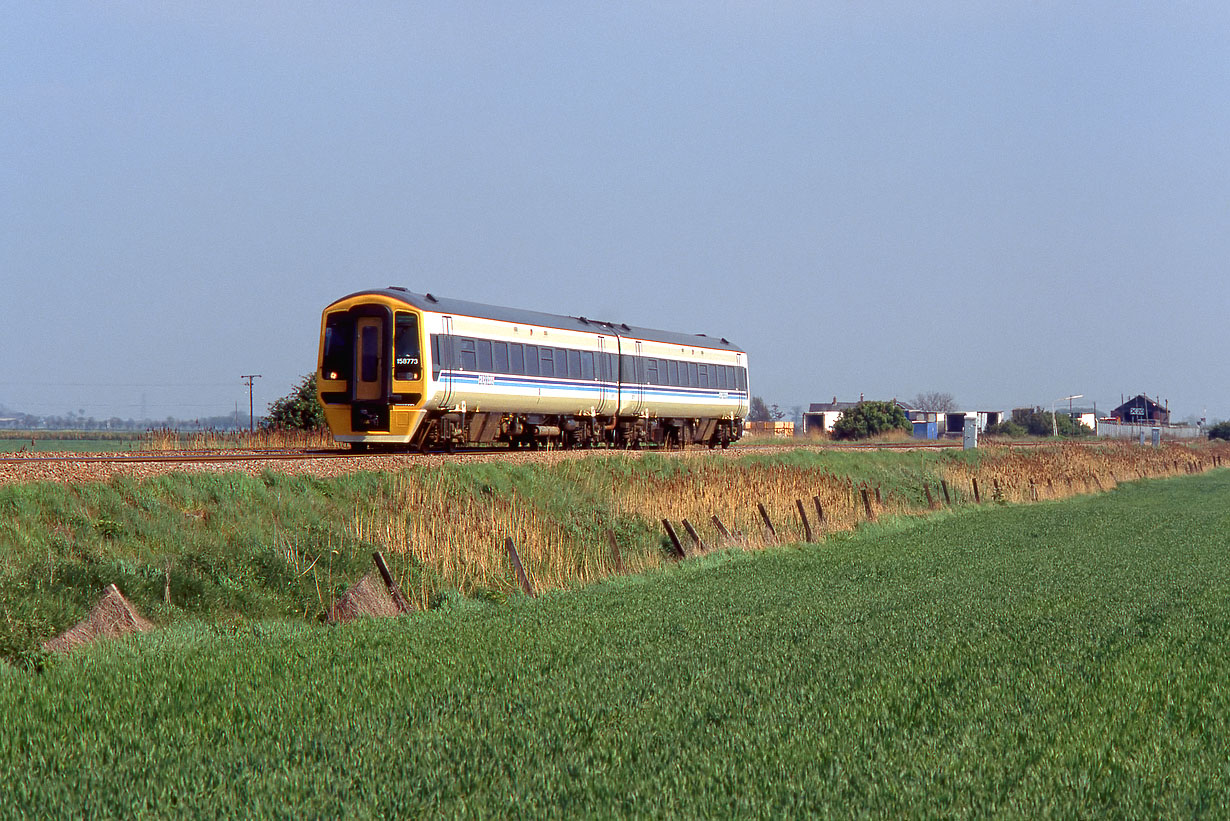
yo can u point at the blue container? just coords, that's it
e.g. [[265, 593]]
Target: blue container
[[926, 430]]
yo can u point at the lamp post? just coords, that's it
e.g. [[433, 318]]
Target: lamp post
[[1054, 424]]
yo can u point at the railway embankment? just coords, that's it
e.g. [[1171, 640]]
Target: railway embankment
[[284, 540]]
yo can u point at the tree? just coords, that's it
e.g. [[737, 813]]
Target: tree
[[1037, 422], [298, 410], [1220, 431], [759, 411], [870, 419], [936, 401]]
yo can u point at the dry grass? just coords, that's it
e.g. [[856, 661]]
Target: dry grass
[[171, 440], [454, 538]]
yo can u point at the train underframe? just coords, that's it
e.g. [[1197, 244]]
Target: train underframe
[[448, 430]]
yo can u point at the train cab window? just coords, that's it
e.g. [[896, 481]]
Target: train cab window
[[516, 358], [574, 364], [339, 347], [484, 355], [499, 358], [407, 356], [467, 359], [587, 365], [546, 361]]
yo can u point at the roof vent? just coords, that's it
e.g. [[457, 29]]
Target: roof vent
[[584, 321], [702, 335], [397, 288], [624, 325], [431, 298], [725, 341]]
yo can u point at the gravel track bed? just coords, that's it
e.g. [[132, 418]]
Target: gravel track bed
[[78, 467]]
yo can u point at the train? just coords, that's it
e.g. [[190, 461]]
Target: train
[[404, 371]]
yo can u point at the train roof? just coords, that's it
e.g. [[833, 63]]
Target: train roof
[[461, 307]]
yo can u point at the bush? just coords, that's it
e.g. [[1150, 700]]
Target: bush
[[1039, 423], [298, 410], [1007, 428], [870, 419], [1220, 431]]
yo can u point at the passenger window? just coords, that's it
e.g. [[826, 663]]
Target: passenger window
[[467, 359], [693, 379], [651, 371], [574, 364], [516, 358], [499, 357], [484, 355], [704, 376], [587, 365], [546, 361], [531, 360]]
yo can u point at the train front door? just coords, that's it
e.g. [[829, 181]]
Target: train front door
[[369, 359]]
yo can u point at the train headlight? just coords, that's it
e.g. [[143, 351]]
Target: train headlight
[[333, 374]]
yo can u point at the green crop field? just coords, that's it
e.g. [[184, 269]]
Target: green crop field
[[1066, 658]]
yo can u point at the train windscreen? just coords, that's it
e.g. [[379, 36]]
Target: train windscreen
[[407, 356]]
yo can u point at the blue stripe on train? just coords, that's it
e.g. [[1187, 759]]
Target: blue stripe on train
[[467, 378]]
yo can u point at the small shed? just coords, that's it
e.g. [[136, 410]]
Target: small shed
[[926, 429]]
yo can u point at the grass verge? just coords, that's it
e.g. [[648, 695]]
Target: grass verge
[[1066, 658]]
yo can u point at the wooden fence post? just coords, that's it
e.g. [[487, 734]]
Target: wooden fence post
[[819, 511], [722, 529], [516, 563], [871, 516], [399, 598], [670, 531], [807, 534], [764, 514], [700, 546], [616, 556], [977, 495], [947, 498], [930, 501]]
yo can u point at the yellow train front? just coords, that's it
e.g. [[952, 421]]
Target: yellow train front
[[399, 369]]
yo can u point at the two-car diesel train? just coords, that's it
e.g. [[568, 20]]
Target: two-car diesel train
[[398, 369]]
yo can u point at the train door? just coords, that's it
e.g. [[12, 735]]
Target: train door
[[600, 373], [369, 359], [446, 355], [638, 380]]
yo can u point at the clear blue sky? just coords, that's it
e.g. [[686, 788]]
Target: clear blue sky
[[1010, 202]]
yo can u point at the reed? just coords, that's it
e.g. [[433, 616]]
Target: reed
[[449, 523]]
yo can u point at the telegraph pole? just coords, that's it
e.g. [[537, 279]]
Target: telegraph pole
[[251, 418]]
